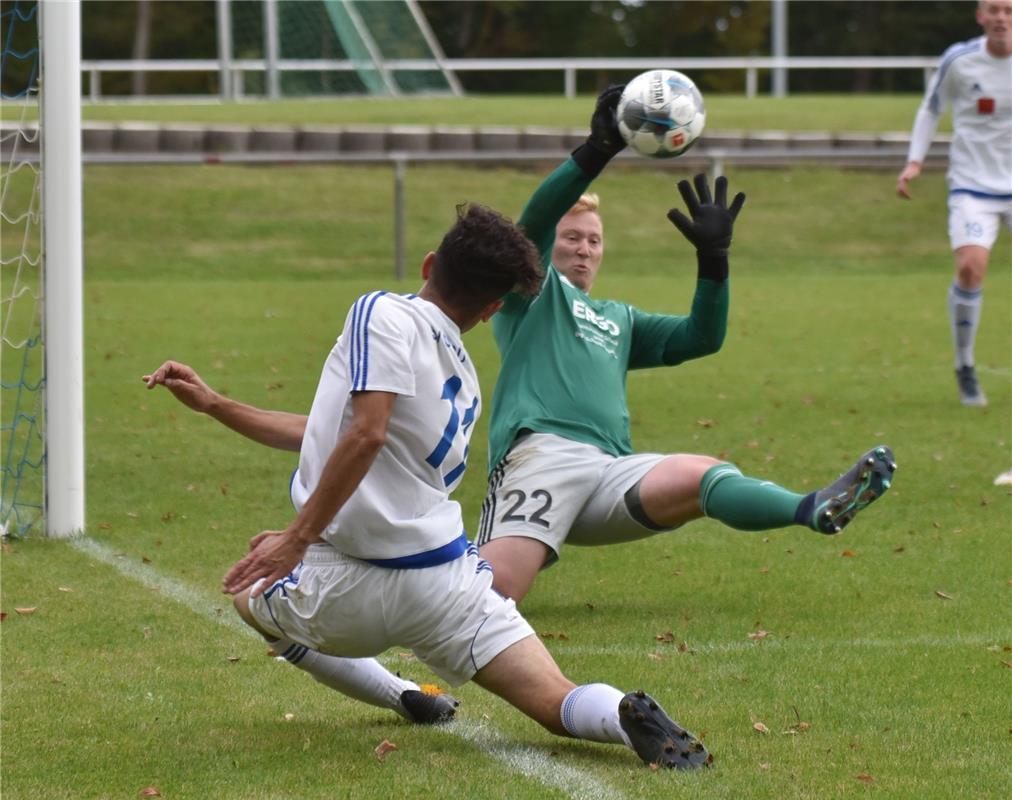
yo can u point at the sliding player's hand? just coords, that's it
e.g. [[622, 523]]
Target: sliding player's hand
[[712, 220], [273, 555], [184, 383]]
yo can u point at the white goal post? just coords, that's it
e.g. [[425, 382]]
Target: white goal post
[[63, 311]]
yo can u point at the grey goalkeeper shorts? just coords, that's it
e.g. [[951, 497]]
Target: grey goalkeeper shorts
[[555, 490]]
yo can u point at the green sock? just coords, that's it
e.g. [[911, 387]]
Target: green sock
[[746, 503]]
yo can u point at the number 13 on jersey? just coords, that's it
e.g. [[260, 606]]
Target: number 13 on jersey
[[454, 426]]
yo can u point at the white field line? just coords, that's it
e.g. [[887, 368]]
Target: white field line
[[530, 762]]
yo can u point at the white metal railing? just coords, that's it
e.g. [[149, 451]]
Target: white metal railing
[[231, 71]]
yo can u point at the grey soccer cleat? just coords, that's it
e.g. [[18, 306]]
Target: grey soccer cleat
[[658, 739], [859, 487], [970, 393], [429, 707]]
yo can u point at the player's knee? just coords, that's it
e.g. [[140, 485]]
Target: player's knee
[[971, 266]]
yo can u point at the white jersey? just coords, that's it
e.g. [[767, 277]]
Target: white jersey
[[405, 345], [978, 88]]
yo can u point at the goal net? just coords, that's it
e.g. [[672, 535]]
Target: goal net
[[21, 359]]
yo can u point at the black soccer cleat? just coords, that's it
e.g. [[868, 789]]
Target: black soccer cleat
[[837, 504], [658, 739], [429, 708]]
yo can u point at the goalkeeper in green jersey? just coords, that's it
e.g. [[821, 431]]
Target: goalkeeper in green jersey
[[563, 466]]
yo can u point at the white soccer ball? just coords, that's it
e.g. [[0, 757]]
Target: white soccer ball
[[660, 113]]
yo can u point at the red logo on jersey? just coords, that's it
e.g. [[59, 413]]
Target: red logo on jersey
[[985, 105]]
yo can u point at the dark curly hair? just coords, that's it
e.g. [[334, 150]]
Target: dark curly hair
[[482, 257]]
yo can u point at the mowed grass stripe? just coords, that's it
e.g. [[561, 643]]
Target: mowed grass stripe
[[482, 735]]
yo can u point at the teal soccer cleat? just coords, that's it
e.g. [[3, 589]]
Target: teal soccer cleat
[[837, 504]]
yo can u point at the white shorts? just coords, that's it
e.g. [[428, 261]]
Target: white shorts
[[975, 220], [555, 490], [447, 615]]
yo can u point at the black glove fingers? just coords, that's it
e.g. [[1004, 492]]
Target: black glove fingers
[[703, 189], [736, 204], [721, 188], [608, 99], [680, 221], [689, 197]]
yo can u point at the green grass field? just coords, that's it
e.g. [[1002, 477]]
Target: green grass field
[[891, 642]]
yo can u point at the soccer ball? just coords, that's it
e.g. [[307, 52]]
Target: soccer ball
[[660, 113]]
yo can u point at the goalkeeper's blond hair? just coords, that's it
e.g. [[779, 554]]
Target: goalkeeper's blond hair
[[587, 202]]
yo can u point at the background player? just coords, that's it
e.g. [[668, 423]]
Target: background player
[[377, 555], [564, 468], [974, 79]]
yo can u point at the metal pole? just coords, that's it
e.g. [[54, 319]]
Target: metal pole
[[569, 77], [271, 48], [399, 170], [224, 17], [62, 222], [780, 46]]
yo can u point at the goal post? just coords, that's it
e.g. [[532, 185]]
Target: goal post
[[62, 248]]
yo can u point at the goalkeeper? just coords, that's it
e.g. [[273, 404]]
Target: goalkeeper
[[563, 466]]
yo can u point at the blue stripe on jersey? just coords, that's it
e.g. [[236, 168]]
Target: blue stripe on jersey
[[360, 383], [982, 195], [956, 51], [353, 347], [430, 558]]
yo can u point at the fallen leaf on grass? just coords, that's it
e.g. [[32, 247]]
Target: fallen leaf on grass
[[943, 595], [149, 791], [759, 635], [25, 612], [232, 659], [848, 554], [1007, 664], [765, 765], [654, 656], [383, 748], [760, 728], [289, 716], [864, 777], [3, 616], [668, 637], [63, 589]]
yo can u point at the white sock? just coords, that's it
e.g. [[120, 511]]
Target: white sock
[[591, 712], [362, 679], [964, 316]]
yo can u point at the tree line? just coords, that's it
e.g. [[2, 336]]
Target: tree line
[[185, 29]]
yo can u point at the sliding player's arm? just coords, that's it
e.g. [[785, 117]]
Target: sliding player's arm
[[274, 554], [279, 429]]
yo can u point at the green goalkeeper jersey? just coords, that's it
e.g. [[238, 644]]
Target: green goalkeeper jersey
[[565, 355]]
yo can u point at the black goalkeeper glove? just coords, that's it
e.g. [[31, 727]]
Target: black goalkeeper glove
[[711, 225], [604, 140]]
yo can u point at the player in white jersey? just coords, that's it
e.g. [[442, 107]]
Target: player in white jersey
[[377, 555], [974, 80]]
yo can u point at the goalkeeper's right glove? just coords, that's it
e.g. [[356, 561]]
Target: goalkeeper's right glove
[[605, 140]]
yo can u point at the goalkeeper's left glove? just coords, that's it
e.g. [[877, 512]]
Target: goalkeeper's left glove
[[605, 140], [711, 225]]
